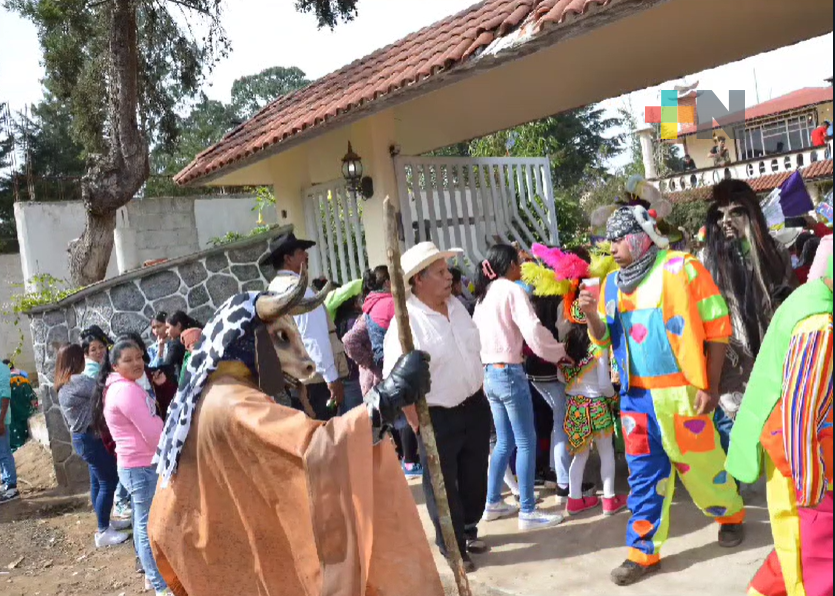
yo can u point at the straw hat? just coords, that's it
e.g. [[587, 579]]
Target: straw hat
[[420, 256]]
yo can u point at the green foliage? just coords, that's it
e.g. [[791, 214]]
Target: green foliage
[[329, 12], [46, 290], [264, 198], [231, 237], [209, 120], [691, 215], [253, 92], [173, 60]]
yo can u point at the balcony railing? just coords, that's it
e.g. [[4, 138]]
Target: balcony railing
[[746, 170]]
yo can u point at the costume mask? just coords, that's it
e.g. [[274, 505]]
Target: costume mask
[[733, 221]]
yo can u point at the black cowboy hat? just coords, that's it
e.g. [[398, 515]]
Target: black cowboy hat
[[284, 245]]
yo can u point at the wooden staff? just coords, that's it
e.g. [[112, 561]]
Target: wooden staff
[[427, 432]]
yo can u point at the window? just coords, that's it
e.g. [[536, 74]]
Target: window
[[775, 137]]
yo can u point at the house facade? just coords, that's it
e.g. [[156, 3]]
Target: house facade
[[765, 145]]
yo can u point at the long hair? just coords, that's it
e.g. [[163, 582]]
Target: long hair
[[810, 249], [500, 259], [113, 357], [577, 342], [726, 262], [91, 334], [179, 318], [374, 280], [70, 361]]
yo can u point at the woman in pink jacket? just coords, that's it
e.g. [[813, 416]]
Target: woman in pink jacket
[[506, 321], [131, 417]]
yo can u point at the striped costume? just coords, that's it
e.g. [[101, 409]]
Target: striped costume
[[786, 420]]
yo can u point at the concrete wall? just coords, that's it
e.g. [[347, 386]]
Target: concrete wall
[[215, 216], [44, 230], [197, 283], [12, 276], [146, 229]]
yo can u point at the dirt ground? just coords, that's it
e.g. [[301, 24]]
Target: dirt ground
[[46, 540], [46, 549]]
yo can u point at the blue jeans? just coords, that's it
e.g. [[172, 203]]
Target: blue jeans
[[723, 426], [554, 394], [8, 470], [510, 399], [353, 396], [142, 484], [122, 495], [103, 474]]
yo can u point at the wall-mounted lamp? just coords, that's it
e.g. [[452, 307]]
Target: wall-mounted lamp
[[352, 172]]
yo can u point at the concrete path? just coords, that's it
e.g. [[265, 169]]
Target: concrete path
[[575, 558]]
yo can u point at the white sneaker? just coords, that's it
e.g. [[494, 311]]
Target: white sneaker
[[165, 592], [536, 519], [110, 537], [122, 511], [120, 524], [498, 510]]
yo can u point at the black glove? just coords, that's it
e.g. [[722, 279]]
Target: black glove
[[409, 380]]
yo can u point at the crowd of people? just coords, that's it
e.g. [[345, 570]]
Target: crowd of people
[[689, 362]]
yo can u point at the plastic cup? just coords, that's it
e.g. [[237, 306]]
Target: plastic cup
[[592, 286]]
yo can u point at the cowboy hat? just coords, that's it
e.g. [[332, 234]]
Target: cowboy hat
[[286, 244], [420, 256]]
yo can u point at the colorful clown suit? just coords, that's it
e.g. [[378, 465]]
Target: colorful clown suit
[[658, 335], [787, 417]]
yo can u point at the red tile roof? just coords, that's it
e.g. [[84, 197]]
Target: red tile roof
[[809, 96], [407, 63], [815, 171]]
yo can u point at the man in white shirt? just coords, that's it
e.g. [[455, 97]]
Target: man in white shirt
[[325, 391], [460, 413]]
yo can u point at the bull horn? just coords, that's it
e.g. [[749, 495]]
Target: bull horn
[[306, 305], [272, 305]]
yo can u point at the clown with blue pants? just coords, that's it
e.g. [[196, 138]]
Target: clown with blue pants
[[667, 325]]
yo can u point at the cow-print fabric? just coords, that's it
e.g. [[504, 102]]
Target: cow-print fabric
[[232, 321]]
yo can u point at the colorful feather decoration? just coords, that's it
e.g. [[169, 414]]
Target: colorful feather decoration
[[601, 266], [543, 280], [566, 265]]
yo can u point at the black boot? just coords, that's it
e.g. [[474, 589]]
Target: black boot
[[731, 535], [630, 572]]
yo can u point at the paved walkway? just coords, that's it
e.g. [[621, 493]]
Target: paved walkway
[[575, 558]]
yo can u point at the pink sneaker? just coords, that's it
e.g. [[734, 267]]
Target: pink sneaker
[[613, 505], [576, 506]]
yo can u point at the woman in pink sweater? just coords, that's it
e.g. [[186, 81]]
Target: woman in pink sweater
[[506, 321], [131, 417]]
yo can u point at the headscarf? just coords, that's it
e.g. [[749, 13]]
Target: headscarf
[[636, 226], [229, 335]]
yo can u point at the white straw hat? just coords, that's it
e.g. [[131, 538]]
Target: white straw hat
[[420, 256]]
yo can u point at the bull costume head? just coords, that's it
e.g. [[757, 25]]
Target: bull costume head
[[743, 259], [256, 329]]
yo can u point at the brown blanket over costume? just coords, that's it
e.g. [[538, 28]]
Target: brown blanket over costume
[[267, 501]]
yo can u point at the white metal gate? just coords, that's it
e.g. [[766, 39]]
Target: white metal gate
[[334, 221], [473, 203]]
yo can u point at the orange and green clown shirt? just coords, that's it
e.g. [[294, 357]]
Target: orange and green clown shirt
[[658, 335]]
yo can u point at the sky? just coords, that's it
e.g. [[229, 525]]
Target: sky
[[280, 36]]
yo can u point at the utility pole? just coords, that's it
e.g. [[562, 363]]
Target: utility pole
[[756, 86]]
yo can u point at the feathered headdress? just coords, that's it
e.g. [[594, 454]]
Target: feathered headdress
[[559, 273]]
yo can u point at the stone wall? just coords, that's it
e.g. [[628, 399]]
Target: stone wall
[[197, 284]]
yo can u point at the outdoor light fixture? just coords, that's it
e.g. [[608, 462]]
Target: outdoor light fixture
[[352, 172]]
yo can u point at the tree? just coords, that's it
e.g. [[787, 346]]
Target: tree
[[329, 12], [251, 93], [124, 67]]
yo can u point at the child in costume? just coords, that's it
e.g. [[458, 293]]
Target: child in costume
[[590, 396]]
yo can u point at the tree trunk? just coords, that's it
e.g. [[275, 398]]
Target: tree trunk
[[112, 179]]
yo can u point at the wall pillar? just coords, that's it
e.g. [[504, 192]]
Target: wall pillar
[[380, 135], [290, 178], [645, 136]]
